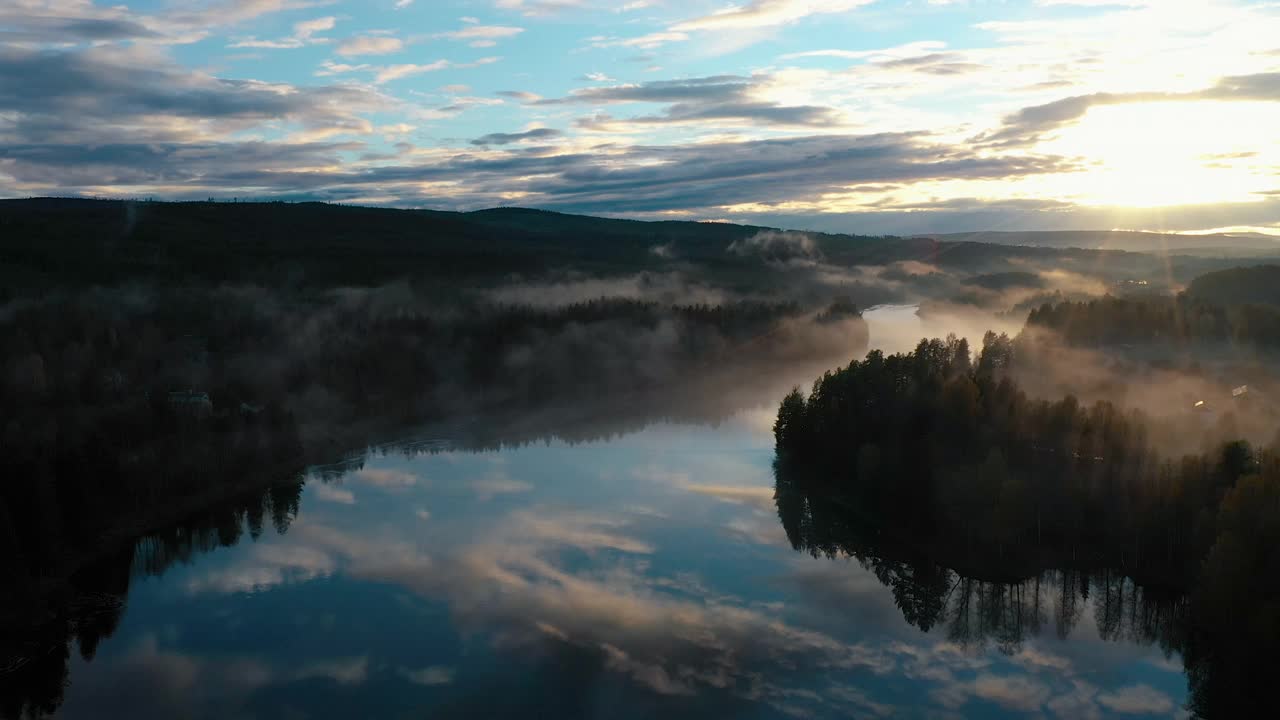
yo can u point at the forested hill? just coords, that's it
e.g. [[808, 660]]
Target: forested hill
[[1258, 285], [322, 244], [1212, 245], [68, 242]]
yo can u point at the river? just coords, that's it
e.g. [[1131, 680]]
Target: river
[[644, 575]]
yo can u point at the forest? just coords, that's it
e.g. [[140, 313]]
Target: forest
[[116, 413], [943, 452], [1185, 321]]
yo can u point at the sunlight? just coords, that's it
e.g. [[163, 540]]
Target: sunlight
[[1171, 153]]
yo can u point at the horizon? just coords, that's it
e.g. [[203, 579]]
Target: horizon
[[1007, 231], [881, 117]]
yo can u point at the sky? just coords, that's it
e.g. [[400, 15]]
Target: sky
[[870, 116]]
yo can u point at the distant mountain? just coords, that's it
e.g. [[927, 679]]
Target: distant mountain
[[1214, 245], [48, 242]]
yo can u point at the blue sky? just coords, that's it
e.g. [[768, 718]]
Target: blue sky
[[858, 115]]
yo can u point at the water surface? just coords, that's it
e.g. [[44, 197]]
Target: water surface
[[643, 575]]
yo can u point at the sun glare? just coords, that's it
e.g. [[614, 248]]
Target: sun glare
[[1163, 154]]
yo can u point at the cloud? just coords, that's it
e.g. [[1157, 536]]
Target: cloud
[[1011, 692], [931, 64], [536, 8], [582, 531], [344, 671], [499, 483], [329, 493], [83, 21], [386, 478], [383, 74], [433, 676], [267, 566], [19, 23], [482, 35], [304, 33], [740, 20], [509, 138], [1030, 124], [713, 98], [757, 497], [721, 88], [767, 13], [667, 634], [520, 95], [84, 100], [1137, 700], [370, 45], [640, 179]]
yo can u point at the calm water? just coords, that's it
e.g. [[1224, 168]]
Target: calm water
[[645, 575]]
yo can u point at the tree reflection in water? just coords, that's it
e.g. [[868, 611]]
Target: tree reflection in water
[[1222, 624]]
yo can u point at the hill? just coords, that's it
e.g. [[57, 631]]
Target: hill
[[1213, 245], [1257, 285], [54, 242]]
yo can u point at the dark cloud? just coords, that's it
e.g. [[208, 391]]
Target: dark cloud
[[63, 22], [655, 178], [1030, 124], [933, 64], [520, 95], [39, 29], [757, 112], [123, 164], [717, 88], [1262, 86], [718, 97], [627, 180], [509, 138], [96, 94]]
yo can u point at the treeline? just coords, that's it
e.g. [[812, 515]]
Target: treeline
[[44, 620], [344, 356], [951, 444], [121, 406], [952, 457], [1180, 321]]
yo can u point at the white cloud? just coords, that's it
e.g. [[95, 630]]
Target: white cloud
[[767, 13], [387, 478], [382, 74], [304, 33], [370, 45], [758, 497], [333, 494], [482, 35], [1137, 700], [497, 483], [266, 567]]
